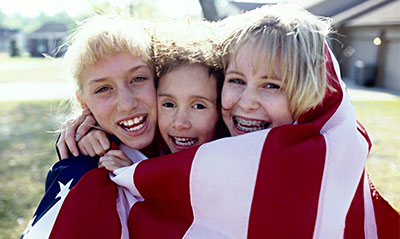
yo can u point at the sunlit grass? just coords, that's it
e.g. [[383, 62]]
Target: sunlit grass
[[26, 153], [381, 119], [29, 69]]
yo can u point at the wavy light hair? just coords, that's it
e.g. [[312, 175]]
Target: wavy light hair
[[101, 35], [293, 37]]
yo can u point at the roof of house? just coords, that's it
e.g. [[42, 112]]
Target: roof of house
[[345, 12], [52, 27], [371, 13]]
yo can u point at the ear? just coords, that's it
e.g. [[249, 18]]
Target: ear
[[81, 101]]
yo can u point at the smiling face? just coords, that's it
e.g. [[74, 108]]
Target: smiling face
[[119, 90], [251, 100], [187, 106]]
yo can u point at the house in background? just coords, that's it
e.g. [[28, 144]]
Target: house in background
[[48, 39], [7, 37], [367, 42], [370, 34]]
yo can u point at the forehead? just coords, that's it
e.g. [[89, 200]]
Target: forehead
[[189, 79], [255, 59], [114, 66]]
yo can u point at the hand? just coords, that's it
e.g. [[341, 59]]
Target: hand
[[114, 159], [95, 143], [72, 130]]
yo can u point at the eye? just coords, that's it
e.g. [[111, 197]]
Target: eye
[[138, 79], [168, 105], [272, 86], [102, 89], [199, 106], [236, 81]]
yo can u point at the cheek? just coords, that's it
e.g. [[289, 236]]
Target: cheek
[[163, 124], [228, 97], [149, 97], [206, 126]]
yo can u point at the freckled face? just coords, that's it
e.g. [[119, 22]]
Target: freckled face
[[251, 100], [187, 107], [119, 90]]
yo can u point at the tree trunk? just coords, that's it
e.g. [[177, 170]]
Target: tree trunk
[[209, 10]]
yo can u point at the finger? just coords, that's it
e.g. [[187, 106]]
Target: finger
[[62, 147], [108, 163], [83, 149], [85, 145], [103, 140], [120, 159], [86, 111], [98, 149], [87, 123], [117, 154], [70, 137]]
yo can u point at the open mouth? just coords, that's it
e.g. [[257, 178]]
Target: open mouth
[[184, 141], [249, 125], [133, 124]]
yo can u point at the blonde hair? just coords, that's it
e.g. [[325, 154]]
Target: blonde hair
[[101, 35], [179, 41], [292, 36]]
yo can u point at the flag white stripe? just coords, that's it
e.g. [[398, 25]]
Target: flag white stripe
[[370, 229], [222, 184], [346, 152]]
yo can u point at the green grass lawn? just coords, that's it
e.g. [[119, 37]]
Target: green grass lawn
[[29, 69], [27, 152]]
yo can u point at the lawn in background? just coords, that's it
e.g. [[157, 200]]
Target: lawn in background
[[29, 69], [26, 154]]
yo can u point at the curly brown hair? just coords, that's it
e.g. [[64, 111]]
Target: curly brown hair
[[179, 41]]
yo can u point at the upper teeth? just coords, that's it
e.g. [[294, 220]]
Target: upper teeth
[[131, 122], [127, 124], [250, 125], [184, 141], [249, 122]]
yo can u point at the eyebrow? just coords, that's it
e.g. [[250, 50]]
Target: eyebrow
[[263, 77], [234, 72], [133, 69]]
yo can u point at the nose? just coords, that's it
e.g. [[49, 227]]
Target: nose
[[181, 120], [127, 100], [248, 101]]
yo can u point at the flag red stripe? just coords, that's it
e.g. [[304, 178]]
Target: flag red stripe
[[287, 187], [89, 211], [164, 182], [355, 217]]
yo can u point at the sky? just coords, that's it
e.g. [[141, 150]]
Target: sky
[[33, 8]]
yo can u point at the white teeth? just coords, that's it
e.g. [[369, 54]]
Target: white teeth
[[135, 128], [184, 141], [130, 122], [250, 125], [127, 124]]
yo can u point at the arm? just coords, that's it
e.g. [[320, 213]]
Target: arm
[[76, 130]]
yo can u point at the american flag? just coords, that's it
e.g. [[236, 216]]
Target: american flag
[[305, 180]]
